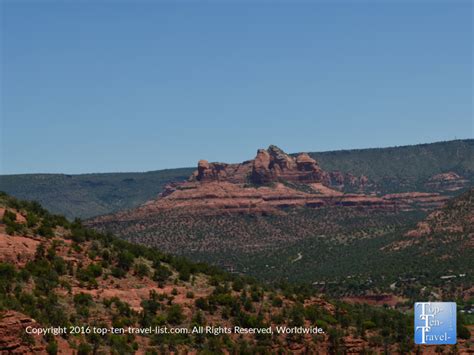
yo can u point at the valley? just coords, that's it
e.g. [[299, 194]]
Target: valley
[[274, 242], [79, 291], [256, 218]]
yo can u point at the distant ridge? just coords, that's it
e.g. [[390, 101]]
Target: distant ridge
[[393, 169]]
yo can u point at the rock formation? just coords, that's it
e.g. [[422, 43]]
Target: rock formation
[[449, 181], [269, 166], [269, 184], [12, 339], [15, 340]]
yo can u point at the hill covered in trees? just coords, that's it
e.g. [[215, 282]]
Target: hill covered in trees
[[403, 168], [56, 273], [343, 251], [88, 195]]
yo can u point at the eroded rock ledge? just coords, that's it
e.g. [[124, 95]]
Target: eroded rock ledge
[[271, 183]]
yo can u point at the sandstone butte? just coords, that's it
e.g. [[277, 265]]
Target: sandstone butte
[[271, 183]]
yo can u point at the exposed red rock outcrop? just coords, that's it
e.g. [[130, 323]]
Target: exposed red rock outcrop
[[261, 168], [449, 181], [270, 183], [15, 340], [270, 165], [225, 197], [376, 299], [340, 180], [12, 326], [458, 217], [423, 200], [19, 217], [274, 165], [455, 219], [17, 250]]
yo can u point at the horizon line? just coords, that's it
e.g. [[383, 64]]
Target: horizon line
[[193, 167]]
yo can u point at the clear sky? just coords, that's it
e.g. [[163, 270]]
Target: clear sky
[[136, 86]]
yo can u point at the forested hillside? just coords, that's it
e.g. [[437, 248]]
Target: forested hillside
[[89, 195], [60, 274], [405, 167]]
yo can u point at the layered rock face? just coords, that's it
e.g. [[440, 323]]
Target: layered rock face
[[449, 181], [218, 172], [270, 165], [15, 340], [274, 165], [12, 327], [269, 184]]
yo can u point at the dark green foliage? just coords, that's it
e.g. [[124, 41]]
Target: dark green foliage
[[9, 217], [277, 301], [32, 220], [90, 273], [162, 273], [7, 277], [121, 344], [402, 168], [463, 332], [52, 348], [82, 299], [202, 304], [12, 225], [84, 349], [45, 230], [237, 285], [125, 260], [174, 314], [93, 194], [141, 269], [82, 302], [118, 272]]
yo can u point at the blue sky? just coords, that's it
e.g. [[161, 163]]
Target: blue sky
[[136, 86]]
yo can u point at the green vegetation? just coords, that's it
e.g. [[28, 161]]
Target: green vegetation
[[74, 254], [404, 168], [342, 251], [88, 195]]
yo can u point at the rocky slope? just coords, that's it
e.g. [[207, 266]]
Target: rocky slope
[[71, 276], [453, 222], [449, 181]]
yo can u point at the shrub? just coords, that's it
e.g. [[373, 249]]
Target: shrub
[[201, 303], [162, 273], [45, 231], [125, 260], [118, 273], [82, 299], [277, 302], [7, 276], [84, 349], [368, 324], [52, 348], [174, 314], [141, 269], [463, 332], [238, 285]]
